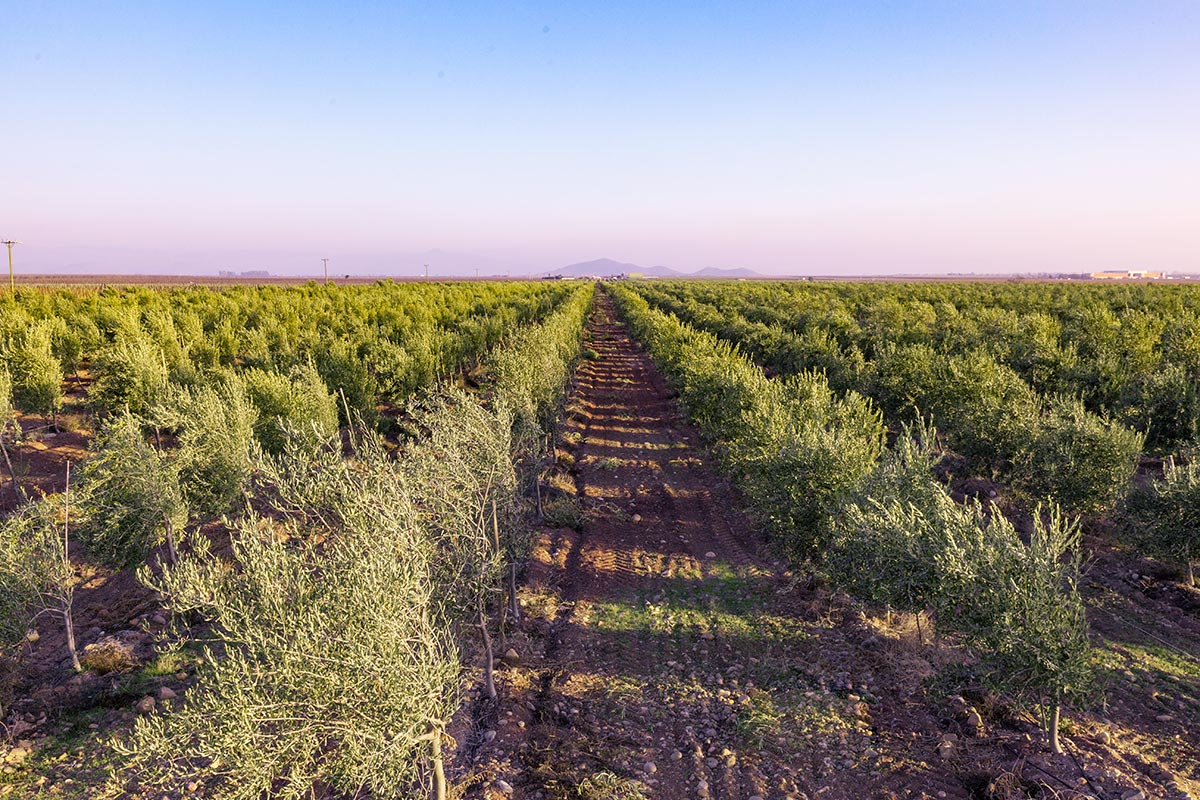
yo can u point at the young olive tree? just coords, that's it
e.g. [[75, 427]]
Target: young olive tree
[[460, 474], [214, 428], [36, 573], [332, 666], [1079, 459], [888, 537], [804, 452], [1023, 613], [131, 500], [295, 405], [132, 375], [1164, 516], [528, 375], [8, 423], [37, 375]]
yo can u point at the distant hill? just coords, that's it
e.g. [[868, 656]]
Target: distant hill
[[717, 272], [605, 267]]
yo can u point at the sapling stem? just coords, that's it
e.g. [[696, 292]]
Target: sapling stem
[[489, 681], [18, 492], [1052, 727], [68, 591], [439, 767]]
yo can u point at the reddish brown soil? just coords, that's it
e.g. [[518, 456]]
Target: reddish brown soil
[[663, 643]]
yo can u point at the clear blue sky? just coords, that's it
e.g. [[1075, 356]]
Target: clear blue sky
[[789, 137]]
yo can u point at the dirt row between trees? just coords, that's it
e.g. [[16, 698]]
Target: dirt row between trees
[[663, 650]]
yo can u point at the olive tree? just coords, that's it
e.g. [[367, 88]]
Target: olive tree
[[37, 375], [889, 537], [1022, 611], [1164, 516], [460, 473], [36, 573], [1080, 460], [131, 500], [297, 404], [804, 451], [214, 427], [907, 543], [331, 664], [132, 375], [8, 422]]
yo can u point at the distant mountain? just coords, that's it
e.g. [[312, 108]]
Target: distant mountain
[[605, 267], [717, 272]]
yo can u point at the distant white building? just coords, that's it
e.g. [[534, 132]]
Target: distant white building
[[1126, 275]]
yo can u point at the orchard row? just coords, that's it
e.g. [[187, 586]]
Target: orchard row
[[332, 578]]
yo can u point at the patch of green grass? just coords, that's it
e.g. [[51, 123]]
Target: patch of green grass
[[71, 762], [623, 691], [168, 663], [607, 786], [563, 512], [759, 719]]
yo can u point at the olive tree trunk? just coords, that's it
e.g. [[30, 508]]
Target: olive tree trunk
[[1052, 719], [68, 591]]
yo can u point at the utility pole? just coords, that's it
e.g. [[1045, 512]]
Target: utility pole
[[426, 272], [12, 282], [325, 262]]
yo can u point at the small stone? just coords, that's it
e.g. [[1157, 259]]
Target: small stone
[[1136, 794], [1165, 718], [1103, 737], [145, 705], [859, 709], [636, 517], [676, 755], [711, 763], [945, 749], [702, 790], [16, 755], [32, 636], [192, 786], [710, 554], [974, 720], [649, 768], [180, 675], [489, 735], [731, 760], [159, 619], [511, 657], [166, 693], [504, 786]]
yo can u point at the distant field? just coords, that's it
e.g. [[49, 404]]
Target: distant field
[[212, 280]]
